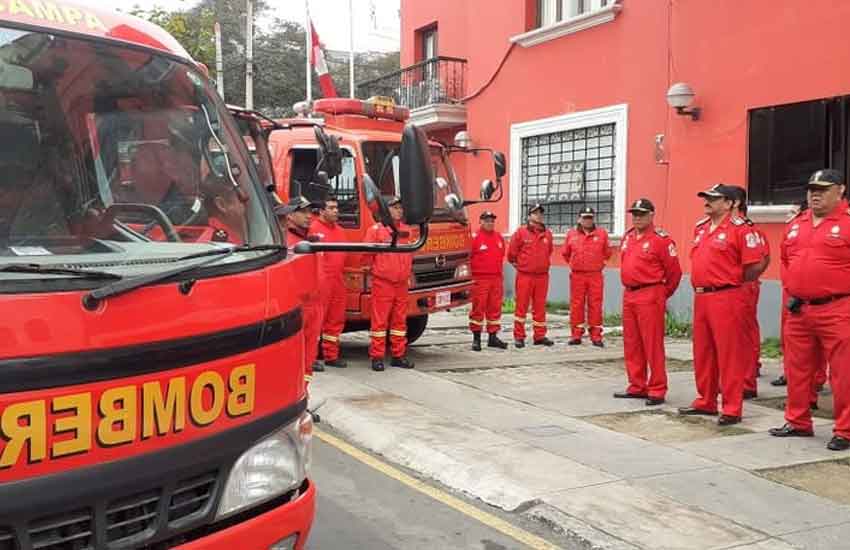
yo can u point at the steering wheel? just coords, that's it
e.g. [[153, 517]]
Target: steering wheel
[[159, 217]]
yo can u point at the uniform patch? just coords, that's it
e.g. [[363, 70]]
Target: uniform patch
[[721, 237], [646, 246], [671, 249], [483, 247], [835, 229], [753, 240], [793, 233]]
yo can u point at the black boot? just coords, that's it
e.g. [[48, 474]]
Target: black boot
[[377, 365], [401, 362], [336, 363], [493, 341], [476, 341]]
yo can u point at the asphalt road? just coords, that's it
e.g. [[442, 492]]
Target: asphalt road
[[361, 508]]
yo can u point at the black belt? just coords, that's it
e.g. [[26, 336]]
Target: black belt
[[638, 287], [707, 289], [825, 300]]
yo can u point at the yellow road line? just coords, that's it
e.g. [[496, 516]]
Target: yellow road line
[[532, 541]]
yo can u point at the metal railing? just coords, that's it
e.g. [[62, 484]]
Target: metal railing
[[436, 80]]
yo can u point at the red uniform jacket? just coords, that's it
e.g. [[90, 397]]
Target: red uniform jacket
[[718, 257], [488, 254], [650, 259], [333, 263], [531, 248], [586, 251], [816, 260], [392, 267]]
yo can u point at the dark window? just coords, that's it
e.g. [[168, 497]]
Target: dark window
[[343, 187], [789, 142], [429, 43], [566, 171]]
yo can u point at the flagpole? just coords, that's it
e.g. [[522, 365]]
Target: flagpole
[[351, 48], [219, 61], [309, 35]]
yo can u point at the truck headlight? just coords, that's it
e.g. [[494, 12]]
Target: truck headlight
[[272, 467], [462, 271]]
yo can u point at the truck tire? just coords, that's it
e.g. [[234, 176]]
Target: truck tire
[[415, 327]]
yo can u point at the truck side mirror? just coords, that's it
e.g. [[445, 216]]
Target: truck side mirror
[[416, 176], [488, 188], [499, 164], [330, 154], [375, 202]]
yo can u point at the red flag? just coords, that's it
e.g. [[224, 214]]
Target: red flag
[[317, 60]]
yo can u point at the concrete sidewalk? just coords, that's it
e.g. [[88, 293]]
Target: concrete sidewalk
[[536, 431]]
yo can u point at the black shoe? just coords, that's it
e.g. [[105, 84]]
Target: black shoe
[[781, 381], [493, 341], [401, 362], [336, 363], [627, 395], [838, 443], [598, 343], [728, 420], [750, 394], [691, 411], [519, 343], [574, 342], [652, 401], [813, 405], [790, 431], [544, 342], [377, 365], [476, 341], [318, 366]]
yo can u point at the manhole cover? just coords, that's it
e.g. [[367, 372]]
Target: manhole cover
[[828, 479], [665, 427], [825, 405]]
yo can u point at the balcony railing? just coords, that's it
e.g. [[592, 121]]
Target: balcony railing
[[436, 80]]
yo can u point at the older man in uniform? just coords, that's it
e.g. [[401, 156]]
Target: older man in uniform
[[586, 250], [725, 254], [650, 272], [530, 252], [816, 256], [488, 257]]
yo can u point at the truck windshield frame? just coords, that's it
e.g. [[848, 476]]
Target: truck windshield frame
[[121, 159]]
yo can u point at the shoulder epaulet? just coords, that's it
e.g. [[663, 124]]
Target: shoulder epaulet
[[794, 215], [703, 220], [738, 221], [661, 233]]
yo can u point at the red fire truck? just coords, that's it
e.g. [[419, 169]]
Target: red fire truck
[[369, 132], [152, 389]]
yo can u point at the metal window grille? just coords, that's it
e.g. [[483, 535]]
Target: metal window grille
[[566, 171]]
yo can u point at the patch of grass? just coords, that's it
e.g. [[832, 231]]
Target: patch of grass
[[770, 348], [557, 307], [508, 305], [677, 327], [612, 320]]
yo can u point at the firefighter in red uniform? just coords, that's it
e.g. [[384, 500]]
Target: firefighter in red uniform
[[725, 253], [297, 216], [390, 287], [488, 255], [650, 273], [751, 320], [586, 250], [331, 281], [816, 255], [226, 213], [530, 253]]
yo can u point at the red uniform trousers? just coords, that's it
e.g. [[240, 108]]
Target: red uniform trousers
[[718, 338], [487, 293], [822, 327], [753, 332], [586, 290], [531, 287], [389, 311], [312, 317], [643, 340], [816, 359], [333, 302]]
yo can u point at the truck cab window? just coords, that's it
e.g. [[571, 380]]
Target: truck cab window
[[344, 186]]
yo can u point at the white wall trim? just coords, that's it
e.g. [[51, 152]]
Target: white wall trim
[[775, 213], [617, 114], [568, 26], [437, 116]]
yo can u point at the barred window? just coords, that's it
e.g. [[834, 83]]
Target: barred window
[[566, 171]]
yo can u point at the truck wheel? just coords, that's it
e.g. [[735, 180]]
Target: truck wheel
[[415, 327]]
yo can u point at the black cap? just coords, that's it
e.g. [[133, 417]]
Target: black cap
[[294, 204], [487, 214], [719, 191], [394, 201], [826, 178], [642, 205], [536, 206], [586, 212]]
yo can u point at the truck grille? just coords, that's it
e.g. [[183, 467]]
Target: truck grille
[[70, 531], [435, 277], [191, 497], [131, 516]]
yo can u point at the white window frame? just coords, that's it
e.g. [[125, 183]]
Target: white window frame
[[616, 114], [595, 15]]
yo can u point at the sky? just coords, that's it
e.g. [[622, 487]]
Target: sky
[[330, 17]]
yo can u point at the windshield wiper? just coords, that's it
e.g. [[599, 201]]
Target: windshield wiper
[[45, 270], [93, 298]]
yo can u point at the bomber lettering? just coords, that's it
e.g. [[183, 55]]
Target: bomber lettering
[[53, 12]]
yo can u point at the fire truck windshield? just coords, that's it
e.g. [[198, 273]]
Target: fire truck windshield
[[375, 154], [119, 159]]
